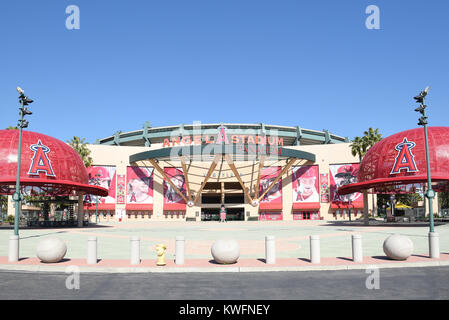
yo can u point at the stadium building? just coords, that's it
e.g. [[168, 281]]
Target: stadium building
[[257, 171]]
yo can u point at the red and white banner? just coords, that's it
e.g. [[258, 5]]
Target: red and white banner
[[139, 188], [324, 187], [172, 200], [121, 181], [270, 216], [103, 176], [342, 174], [305, 184], [273, 198]]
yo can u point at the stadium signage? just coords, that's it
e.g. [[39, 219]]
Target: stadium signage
[[223, 138]]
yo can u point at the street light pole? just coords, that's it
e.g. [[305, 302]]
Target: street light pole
[[430, 193], [17, 197], [349, 207], [96, 209], [97, 182]]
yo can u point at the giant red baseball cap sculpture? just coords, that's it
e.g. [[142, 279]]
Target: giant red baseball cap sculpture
[[49, 166], [396, 164]]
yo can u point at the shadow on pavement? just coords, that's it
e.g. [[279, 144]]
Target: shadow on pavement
[[344, 258], [380, 224], [221, 264], [42, 235], [23, 227]]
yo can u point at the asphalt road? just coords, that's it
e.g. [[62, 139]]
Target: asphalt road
[[430, 283]]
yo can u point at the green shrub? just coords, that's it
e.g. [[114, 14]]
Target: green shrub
[[10, 219]]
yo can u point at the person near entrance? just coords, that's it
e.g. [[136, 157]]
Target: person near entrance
[[223, 214]]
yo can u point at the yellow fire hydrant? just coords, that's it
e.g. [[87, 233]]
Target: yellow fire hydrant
[[160, 250]]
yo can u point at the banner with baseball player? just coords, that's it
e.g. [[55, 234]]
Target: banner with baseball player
[[121, 194], [305, 184], [139, 185], [340, 175], [103, 176], [176, 175], [267, 176], [324, 187]]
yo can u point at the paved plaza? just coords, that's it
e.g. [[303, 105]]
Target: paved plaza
[[292, 239]]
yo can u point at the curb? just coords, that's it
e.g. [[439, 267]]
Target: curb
[[85, 269]]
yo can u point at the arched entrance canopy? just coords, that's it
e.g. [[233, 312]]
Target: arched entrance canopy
[[227, 152], [209, 151], [397, 164]]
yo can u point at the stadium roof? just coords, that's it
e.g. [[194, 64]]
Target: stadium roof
[[292, 136]]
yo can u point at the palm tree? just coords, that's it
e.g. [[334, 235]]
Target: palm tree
[[372, 137], [360, 147], [79, 146], [3, 205]]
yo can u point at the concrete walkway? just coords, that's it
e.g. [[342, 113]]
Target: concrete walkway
[[292, 246]]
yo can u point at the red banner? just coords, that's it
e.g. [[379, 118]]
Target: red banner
[[324, 187], [176, 175], [305, 184], [270, 216], [342, 174], [139, 187], [267, 176], [121, 181], [103, 176]]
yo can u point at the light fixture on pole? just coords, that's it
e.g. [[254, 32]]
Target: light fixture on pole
[[17, 196], [430, 193]]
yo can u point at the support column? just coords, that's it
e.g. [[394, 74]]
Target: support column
[[52, 211], [80, 213], [11, 210], [365, 208], [434, 204]]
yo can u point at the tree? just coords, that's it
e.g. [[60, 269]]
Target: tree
[[372, 137], [3, 204], [12, 128], [80, 147], [358, 147], [361, 145]]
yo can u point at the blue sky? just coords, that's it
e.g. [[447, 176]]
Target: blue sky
[[287, 62]]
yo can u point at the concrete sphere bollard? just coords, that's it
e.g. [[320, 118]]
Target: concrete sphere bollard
[[398, 247], [51, 250], [225, 251]]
